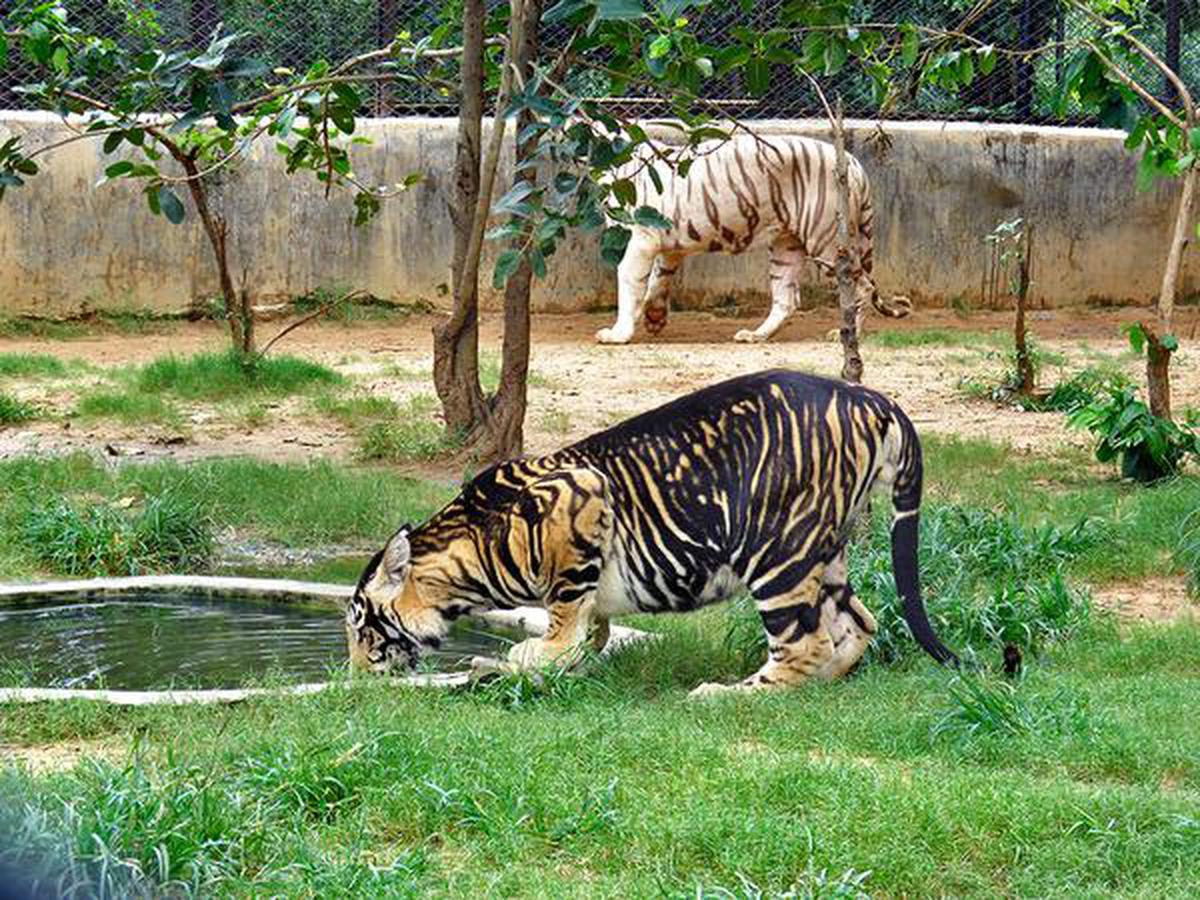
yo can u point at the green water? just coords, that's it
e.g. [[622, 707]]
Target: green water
[[178, 642]]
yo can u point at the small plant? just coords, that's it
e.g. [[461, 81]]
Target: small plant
[[1150, 448], [167, 535], [14, 411], [414, 435], [130, 407], [983, 707]]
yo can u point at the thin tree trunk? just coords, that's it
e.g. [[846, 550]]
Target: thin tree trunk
[[852, 366], [237, 306], [508, 406], [1025, 372], [456, 341], [1158, 355]]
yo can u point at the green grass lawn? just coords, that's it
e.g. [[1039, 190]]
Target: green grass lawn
[[1080, 779]]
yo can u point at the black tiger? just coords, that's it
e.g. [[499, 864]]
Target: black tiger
[[751, 483]]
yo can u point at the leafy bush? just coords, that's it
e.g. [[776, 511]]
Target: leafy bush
[[167, 535], [986, 579], [14, 411], [1150, 448], [1079, 390]]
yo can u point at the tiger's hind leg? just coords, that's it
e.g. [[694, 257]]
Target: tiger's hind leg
[[787, 272], [658, 299], [851, 626], [799, 644]]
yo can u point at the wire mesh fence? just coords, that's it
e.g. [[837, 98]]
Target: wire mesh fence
[[1020, 88]]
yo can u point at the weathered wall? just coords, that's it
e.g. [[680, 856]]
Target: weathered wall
[[939, 188]]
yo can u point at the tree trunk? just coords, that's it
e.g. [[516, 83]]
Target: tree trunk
[[507, 421], [852, 366], [1025, 373], [1158, 354], [237, 305], [456, 341]]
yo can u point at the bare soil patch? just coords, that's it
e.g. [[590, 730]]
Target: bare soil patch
[[579, 386], [1156, 600], [41, 759]]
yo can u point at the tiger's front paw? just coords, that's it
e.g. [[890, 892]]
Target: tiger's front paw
[[613, 336], [535, 653], [745, 336], [710, 689]]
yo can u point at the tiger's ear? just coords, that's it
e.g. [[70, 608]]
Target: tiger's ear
[[397, 555]]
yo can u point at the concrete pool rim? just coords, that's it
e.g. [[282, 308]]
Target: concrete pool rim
[[531, 620]]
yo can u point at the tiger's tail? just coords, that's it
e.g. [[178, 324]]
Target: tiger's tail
[[906, 501], [895, 307]]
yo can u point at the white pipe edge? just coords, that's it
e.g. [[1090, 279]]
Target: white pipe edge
[[532, 620]]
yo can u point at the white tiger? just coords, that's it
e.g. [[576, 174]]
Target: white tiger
[[741, 192]]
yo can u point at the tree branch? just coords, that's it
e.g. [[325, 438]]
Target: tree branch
[[320, 311]]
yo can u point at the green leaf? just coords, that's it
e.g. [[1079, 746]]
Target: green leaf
[[835, 56], [563, 10], [648, 217], [60, 61], [625, 191], [1170, 342], [343, 120], [347, 96], [758, 76], [117, 169], [704, 66], [152, 199], [537, 262], [366, 206], [506, 265], [171, 207], [613, 242], [26, 167], [619, 10], [512, 201], [565, 182], [659, 47], [987, 59], [1137, 337]]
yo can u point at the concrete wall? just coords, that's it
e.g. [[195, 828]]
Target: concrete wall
[[939, 188]]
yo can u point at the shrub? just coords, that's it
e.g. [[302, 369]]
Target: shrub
[[167, 534], [1150, 448]]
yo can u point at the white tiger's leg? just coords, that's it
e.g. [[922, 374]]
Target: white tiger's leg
[[851, 626], [658, 300], [798, 642], [787, 270], [632, 275]]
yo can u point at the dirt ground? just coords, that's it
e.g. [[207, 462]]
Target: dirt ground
[[578, 386]]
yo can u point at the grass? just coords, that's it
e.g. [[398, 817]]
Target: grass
[[1079, 778], [14, 411], [221, 376], [164, 535], [413, 435], [896, 339], [297, 505], [129, 407], [31, 365]]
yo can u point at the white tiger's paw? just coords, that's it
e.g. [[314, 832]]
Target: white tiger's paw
[[745, 336], [710, 689], [613, 336], [535, 653]]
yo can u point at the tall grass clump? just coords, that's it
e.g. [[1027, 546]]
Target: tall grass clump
[[220, 376], [1188, 552], [31, 365], [14, 411], [981, 707], [168, 534]]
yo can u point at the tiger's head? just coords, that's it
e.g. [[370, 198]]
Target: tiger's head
[[388, 620]]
